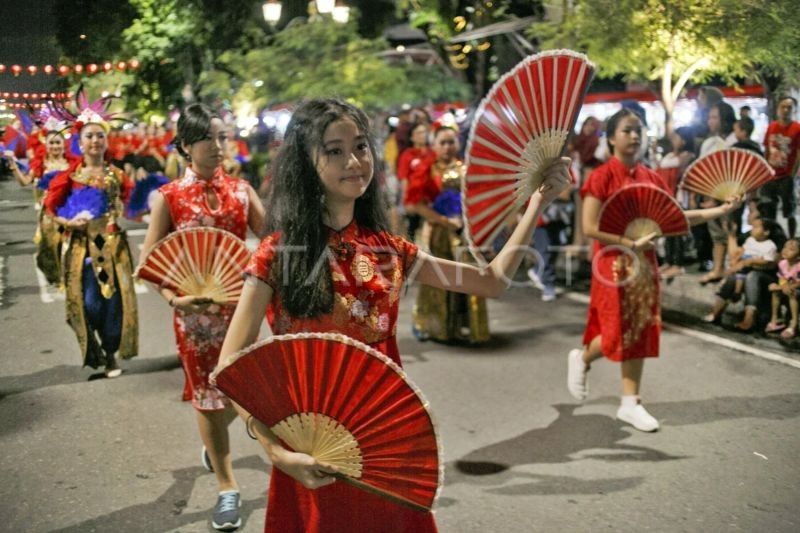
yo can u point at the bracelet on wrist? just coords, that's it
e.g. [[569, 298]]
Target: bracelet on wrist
[[247, 427]]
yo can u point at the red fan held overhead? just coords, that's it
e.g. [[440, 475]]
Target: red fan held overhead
[[346, 405], [726, 173], [205, 262], [520, 127], [640, 209]]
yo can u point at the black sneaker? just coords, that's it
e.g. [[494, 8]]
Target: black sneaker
[[206, 460], [226, 512]]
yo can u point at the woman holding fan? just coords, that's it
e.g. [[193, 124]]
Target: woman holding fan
[[624, 318], [205, 196], [330, 265]]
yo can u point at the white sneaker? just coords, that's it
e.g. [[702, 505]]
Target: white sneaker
[[638, 417], [576, 374], [534, 277]]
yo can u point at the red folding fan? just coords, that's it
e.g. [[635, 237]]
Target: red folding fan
[[726, 173], [205, 262], [641, 209], [344, 404], [520, 127]]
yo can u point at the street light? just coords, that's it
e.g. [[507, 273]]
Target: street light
[[341, 13], [272, 11], [325, 6]]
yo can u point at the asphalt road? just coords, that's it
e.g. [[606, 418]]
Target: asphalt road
[[85, 454]]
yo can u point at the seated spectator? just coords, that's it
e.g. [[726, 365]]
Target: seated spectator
[[757, 254], [786, 289]]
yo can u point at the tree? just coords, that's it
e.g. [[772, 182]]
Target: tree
[[672, 42], [324, 58], [481, 61]]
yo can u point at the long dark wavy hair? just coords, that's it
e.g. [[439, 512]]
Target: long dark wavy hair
[[295, 206]]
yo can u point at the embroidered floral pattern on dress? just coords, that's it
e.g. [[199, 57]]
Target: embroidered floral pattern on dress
[[368, 270]]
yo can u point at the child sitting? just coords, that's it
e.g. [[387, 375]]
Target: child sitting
[[786, 288], [758, 253]]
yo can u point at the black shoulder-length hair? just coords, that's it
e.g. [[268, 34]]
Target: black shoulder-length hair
[[295, 206], [193, 126]]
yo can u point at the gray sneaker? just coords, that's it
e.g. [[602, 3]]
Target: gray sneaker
[[226, 512]]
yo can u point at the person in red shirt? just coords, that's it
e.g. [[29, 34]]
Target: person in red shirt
[[781, 146], [419, 153], [624, 318]]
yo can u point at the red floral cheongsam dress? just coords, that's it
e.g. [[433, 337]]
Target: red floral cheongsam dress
[[625, 301], [199, 336], [369, 269]]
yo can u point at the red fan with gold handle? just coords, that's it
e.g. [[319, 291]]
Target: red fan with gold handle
[[520, 127], [206, 262], [346, 405], [726, 173], [640, 209]]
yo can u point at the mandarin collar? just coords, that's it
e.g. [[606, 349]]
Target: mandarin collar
[[619, 166], [349, 232], [215, 180]]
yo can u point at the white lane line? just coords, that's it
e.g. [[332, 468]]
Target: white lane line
[[727, 343], [2, 278], [47, 292], [710, 337]]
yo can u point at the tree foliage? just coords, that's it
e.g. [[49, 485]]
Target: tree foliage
[[324, 58], [677, 41]]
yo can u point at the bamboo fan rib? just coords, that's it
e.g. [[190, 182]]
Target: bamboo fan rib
[[520, 127], [206, 262], [345, 404], [640, 209], [726, 173]]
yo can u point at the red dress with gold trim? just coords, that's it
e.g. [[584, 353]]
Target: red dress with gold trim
[[199, 336], [625, 302], [369, 269]]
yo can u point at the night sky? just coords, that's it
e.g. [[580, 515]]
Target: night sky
[[27, 37]]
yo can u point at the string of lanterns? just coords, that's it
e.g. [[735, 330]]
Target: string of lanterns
[[65, 70], [36, 96]]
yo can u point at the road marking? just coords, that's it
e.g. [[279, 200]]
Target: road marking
[[2, 278], [710, 337], [47, 292]]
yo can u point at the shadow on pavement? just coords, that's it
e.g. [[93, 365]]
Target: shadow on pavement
[[570, 434], [70, 374], [165, 513]]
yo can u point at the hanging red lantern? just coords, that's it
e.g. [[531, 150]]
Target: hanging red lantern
[[121, 66], [16, 69], [15, 95], [91, 68], [107, 66], [78, 69], [63, 70], [48, 69], [32, 69], [134, 63], [2, 68]]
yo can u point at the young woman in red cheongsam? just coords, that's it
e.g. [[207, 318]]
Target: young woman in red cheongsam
[[624, 321], [205, 196], [330, 265]]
